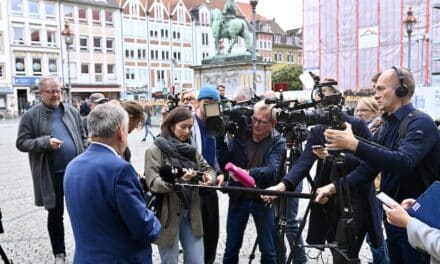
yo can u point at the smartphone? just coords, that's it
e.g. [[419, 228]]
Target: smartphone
[[212, 109], [385, 199], [316, 147]]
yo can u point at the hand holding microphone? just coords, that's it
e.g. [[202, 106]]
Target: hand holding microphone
[[240, 175]]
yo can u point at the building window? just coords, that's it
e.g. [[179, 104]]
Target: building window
[[97, 44], [98, 72], [111, 71], [127, 53], [20, 67], [17, 7], [158, 13], [35, 37], [1, 72], [68, 13], [36, 66], [130, 74], [50, 10], [82, 15], [34, 9], [18, 35], [53, 65], [109, 18], [51, 39], [110, 45], [96, 16], [83, 43], [181, 15], [160, 75], [84, 68]]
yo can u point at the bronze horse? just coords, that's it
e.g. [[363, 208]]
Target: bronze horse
[[230, 29]]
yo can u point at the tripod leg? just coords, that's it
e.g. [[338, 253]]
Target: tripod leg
[[252, 255], [4, 257]]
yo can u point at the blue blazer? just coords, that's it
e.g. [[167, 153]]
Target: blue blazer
[[110, 221]]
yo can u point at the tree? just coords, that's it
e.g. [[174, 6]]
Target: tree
[[290, 74]]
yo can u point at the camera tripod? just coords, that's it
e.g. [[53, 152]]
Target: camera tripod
[[346, 245]]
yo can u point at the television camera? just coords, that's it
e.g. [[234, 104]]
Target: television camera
[[234, 118]]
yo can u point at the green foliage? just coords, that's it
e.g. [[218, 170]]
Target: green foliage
[[290, 74]]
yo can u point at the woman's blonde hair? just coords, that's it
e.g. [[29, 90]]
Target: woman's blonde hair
[[371, 103]]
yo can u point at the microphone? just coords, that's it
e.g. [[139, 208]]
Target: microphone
[[241, 175], [166, 173], [170, 174]]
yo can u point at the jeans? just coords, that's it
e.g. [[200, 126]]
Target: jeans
[[55, 223], [192, 246], [399, 249], [147, 131], [238, 215], [210, 218], [380, 253]]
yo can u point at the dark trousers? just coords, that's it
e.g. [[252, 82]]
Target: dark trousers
[[399, 249], [210, 219], [238, 215], [55, 217]]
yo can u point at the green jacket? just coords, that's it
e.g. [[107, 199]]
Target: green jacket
[[171, 205]]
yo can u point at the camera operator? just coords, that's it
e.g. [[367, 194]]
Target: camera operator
[[399, 161], [260, 154], [206, 146], [324, 219]]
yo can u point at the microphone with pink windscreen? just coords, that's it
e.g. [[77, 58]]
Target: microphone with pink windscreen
[[241, 175]]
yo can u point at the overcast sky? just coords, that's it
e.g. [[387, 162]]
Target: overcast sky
[[287, 13]]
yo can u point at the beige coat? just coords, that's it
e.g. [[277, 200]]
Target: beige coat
[[171, 205]]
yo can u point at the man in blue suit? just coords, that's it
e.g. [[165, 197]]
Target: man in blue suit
[[110, 221]]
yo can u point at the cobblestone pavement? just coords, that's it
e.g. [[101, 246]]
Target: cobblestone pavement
[[26, 239]]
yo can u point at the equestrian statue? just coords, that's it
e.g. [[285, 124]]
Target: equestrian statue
[[227, 25]]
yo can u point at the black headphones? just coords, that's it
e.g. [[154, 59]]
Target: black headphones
[[401, 90]]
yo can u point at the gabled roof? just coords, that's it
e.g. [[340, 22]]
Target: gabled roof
[[276, 29], [245, 10]]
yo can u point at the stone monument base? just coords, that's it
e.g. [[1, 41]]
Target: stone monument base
[[235, 73]]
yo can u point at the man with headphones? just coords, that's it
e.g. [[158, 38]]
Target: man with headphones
[[398, 161]]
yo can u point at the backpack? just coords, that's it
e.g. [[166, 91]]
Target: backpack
[[433, 157]]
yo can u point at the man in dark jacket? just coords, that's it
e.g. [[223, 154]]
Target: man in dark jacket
[[51, 133], [399, 161], [324, 220], [260, 155]]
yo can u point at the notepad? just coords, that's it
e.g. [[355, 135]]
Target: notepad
[[427, 206]]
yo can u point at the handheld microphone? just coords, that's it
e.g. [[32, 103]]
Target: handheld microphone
[[241, 175]]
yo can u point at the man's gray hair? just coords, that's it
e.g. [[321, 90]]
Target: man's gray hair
[[50, 78], [105, 119]]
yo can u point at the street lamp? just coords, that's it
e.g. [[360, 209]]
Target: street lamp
[[409, 22], [68, 38], [254, 45]]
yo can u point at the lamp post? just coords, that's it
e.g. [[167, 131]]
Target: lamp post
[[68, 38], [409, 21], [254, 46]]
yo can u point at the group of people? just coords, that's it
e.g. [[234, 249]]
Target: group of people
[[91, 169]]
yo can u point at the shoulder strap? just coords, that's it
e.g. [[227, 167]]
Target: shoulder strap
[[403, 128]]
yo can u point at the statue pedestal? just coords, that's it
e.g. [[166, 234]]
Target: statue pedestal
[[235, 73]]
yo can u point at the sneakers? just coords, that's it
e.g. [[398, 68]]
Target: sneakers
[[60, 258], [143, 139]]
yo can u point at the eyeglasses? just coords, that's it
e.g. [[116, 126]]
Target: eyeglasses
[[187, 99], [52, 92], [260, 122]]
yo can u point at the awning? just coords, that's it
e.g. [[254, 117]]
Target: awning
[[6, 90]]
